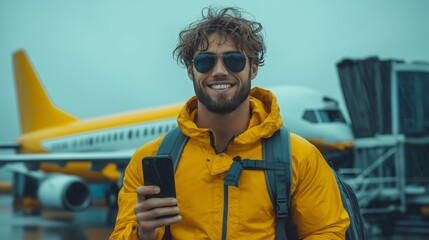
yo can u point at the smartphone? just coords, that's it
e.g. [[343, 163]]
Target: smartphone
[[159, 171]]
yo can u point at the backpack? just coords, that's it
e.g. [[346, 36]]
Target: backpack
[[278, 172]]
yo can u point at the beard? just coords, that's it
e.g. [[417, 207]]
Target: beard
[[222, 104]]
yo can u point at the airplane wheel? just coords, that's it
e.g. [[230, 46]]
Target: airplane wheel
[[112, 203], [112, 196]]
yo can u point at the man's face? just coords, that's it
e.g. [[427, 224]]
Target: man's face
[[220, 90]]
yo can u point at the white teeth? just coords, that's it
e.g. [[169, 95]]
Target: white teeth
[[221, 86]]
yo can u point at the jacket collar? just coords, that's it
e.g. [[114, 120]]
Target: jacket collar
[[264, 121]]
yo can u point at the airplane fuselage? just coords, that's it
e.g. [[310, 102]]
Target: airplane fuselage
[[113, 133]]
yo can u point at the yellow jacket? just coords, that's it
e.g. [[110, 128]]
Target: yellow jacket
[[316, 207]]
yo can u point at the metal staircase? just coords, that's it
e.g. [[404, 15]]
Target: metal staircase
[[379, 174]]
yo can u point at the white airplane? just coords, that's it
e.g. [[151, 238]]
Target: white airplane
[[63, 153]]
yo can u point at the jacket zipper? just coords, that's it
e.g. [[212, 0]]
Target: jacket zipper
[[225, 187], [225, 212], [212, 142]]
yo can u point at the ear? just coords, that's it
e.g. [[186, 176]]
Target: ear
[[190, 70], [254, 71]]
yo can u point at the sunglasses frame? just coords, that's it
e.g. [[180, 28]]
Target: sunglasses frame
[[225, 63]]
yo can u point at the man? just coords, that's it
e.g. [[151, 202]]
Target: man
[[228, 119]]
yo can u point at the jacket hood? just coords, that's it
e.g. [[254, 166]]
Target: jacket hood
[[264, 121]]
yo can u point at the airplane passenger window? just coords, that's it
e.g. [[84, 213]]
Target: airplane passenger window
[[137, 133], [130, 134], [160, 130], [331, 116], [145, 132], [167, 128], [310, 116], [152, 131]]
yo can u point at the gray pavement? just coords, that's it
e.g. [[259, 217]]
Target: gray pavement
[[90, 224]]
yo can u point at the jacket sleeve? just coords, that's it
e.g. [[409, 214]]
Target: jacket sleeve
[[316, 207], [126, 226]]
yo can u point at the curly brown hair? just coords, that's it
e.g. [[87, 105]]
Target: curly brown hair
[[229, 24]]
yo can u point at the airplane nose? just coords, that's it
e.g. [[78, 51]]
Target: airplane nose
[[341, 136]]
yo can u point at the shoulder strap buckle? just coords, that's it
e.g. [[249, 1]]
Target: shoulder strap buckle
[[282, 207]]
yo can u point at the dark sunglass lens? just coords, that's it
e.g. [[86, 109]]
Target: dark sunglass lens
[[234, 61], [204, 62]]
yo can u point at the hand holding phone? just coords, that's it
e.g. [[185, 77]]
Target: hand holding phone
[[154, 213]]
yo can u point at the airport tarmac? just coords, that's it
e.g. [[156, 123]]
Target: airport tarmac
[[53, 225], [86, 225]]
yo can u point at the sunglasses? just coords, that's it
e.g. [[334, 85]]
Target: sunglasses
[[204, 62]]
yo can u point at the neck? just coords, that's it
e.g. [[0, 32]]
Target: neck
[[225, 126]]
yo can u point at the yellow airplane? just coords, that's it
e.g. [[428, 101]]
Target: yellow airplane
[[63, 153]]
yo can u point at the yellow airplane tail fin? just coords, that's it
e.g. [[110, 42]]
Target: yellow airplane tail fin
[[35, 108]]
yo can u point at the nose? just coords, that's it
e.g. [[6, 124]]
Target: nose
[[219, 68]]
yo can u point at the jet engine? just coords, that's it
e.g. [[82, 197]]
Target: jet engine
[[64, 192]]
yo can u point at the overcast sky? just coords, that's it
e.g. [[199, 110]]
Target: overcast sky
[[101, 57]]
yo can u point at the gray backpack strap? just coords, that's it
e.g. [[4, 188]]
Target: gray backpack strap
[[173, 144], [277, 149]]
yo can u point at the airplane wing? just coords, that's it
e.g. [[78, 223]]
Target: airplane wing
[[59, 191], [98, 159], [13, 146]]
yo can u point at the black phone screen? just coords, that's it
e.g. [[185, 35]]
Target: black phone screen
[[159, 171]]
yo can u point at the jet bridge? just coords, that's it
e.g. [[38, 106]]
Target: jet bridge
[[388, 105]]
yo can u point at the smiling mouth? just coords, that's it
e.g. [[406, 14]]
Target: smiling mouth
[[220, 86]]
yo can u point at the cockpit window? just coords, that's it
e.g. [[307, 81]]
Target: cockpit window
[[334, 115], [324, 116], [310, 116]]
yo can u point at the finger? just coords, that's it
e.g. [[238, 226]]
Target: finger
[[144, 190], [152, 203], [146, 226], [156, 213]]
